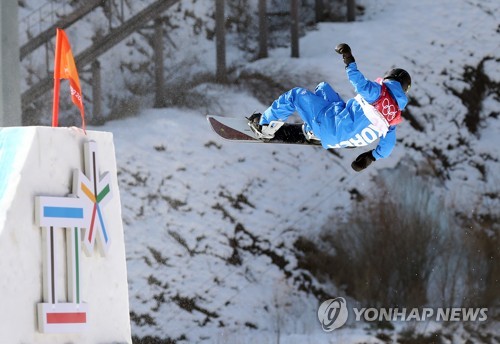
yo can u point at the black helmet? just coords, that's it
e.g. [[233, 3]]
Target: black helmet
[[401, 76]]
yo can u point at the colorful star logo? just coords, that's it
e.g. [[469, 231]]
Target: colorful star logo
[[95, 192]]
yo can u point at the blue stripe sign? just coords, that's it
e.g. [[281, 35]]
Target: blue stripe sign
[[64, 212]]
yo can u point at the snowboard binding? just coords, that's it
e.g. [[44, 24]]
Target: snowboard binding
[[264, 132]]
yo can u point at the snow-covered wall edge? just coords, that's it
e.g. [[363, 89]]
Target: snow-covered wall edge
[[89, 303]]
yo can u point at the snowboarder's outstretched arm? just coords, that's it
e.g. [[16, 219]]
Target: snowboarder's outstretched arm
[[368, 89]]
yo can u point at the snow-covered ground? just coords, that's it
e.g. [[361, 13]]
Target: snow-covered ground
[[203, 217], [210, 225], [190, 198]]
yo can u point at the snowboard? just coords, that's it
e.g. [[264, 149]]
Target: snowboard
[[237, 129]]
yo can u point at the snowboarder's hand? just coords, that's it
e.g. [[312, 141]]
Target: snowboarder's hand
[[345, 51], [362, 161], [343, 48]]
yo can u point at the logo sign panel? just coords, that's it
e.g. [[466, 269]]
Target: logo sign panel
[[81, 210]]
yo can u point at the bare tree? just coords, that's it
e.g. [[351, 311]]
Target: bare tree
[[262, 29], [294, 14], [351, 10], [319, 10], [158, 60], [220, 74], [96, 93]]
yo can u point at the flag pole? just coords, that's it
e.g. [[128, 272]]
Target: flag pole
[[57, 80]]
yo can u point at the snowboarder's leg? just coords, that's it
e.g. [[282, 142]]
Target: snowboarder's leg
[[264, 131], [307, 104], [325, 91]]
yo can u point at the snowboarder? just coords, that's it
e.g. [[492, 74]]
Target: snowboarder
[[373, 113]]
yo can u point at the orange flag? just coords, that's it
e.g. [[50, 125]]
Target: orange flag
[[65, 68]]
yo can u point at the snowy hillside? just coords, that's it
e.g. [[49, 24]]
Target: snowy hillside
[[211, 226]]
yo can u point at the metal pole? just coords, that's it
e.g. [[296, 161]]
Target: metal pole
[[10, 97]]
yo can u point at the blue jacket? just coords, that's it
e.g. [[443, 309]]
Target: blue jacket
[[337, 123], [350, 126]]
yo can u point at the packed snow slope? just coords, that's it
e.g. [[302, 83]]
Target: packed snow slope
[[210, 224]]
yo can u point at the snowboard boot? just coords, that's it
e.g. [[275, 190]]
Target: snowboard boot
[[265, 131], [310, 137]]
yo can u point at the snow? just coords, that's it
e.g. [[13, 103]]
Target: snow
[[13, 154], [183, 197], [187, 195]]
